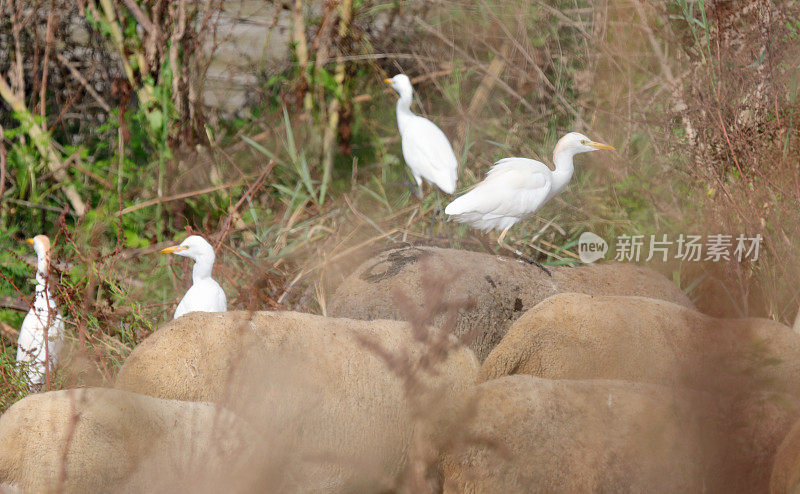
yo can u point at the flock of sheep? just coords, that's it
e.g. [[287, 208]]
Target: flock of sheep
[[434, 370]]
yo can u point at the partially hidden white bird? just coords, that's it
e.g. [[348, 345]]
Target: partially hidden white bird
[[205, 294], [43, 323], [515, 188], [426, 149]]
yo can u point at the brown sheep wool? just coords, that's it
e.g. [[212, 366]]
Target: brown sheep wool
[[105, 440], [541, 435], [527, 434], [337, 401], [748, 365], [577, 336], [484, 293]]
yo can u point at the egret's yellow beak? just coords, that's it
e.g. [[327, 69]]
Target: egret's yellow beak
[[387, 81], [29, 240], [600, 145], [174, 249]]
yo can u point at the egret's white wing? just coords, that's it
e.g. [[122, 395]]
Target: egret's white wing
[[30, 345], [513, 188], [428, 153], [221, 303], [30, 337], [519, 164], [56, 336]]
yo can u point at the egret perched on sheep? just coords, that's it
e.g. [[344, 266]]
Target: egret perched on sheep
[[205, 294], [425, 147], [515, 188], [42, 323]]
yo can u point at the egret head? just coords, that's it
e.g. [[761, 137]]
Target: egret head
[[400, 83], [574, 143], [193, 247], [41, 244]]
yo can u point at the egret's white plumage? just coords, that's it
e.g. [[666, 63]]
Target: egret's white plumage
[[205, 294], [42, 318], [426, 149], [515, 188]]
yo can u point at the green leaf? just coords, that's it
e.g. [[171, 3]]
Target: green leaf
[[328, 81], [156, 119], [132, 239]]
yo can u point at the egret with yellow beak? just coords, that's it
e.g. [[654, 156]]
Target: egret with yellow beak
[[515, 188], [205, 294], [426, 149], [42, 324]]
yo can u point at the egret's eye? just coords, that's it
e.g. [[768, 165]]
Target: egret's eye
[[584, 142]]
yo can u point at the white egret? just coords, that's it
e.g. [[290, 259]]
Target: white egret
[[42, 323], [205, 294], [425, 147], [515, 188]]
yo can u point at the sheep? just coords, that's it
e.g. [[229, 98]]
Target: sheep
[[577, 336], [337, 399], [527, 434], [523, 433], [104, 440], [489, 292], [747, 365]]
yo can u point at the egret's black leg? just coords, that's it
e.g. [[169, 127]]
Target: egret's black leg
[[534, 261], [519, 254]]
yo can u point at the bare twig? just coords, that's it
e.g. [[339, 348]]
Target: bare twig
[[29, 204], [728, 140], [301, 48], [49, 38], [142, 18], [14, 303], [176, 197], [330, 134], [666, 73], [493, 73], [43, 144], [3, 163], [174, 47], [477, 63], [8, 333], [88, 87], [226, 223], [97, 178], [414, 80]]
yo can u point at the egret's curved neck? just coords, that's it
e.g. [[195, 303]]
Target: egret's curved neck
[[203, 264], [42, 267], [404, 104], [42, 295], [562, 159]]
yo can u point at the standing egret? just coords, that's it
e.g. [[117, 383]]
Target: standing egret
[[205, 294], [42, 323], [425, 147], [515, 188]]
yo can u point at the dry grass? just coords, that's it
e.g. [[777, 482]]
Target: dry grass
[[704, 103], [700, 107], [511, 84]]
